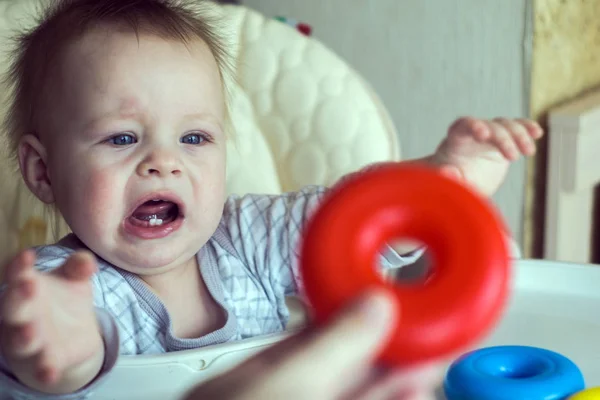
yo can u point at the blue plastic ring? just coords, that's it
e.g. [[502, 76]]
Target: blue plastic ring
[[512, 372]]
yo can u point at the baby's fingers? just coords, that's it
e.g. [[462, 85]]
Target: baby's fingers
[[469, 127], [22, 340], [17, 306], [79, 267], [48, 371], [533, 128], [500, 138], [520, 134], [21, 266]]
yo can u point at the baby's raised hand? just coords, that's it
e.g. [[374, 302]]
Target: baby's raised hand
[[479, 152], [49, 334]]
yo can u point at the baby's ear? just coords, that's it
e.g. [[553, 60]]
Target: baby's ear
[[32, 161]]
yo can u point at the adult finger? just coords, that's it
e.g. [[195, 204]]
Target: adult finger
[[333, 357]]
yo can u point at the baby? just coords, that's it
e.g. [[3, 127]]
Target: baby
[[118, 119]]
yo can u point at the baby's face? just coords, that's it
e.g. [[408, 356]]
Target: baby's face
[[136, 148]]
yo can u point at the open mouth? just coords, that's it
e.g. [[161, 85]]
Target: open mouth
[[155, 213], [155, 218]]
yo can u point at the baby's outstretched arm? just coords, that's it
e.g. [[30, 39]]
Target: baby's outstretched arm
[[49, 334]]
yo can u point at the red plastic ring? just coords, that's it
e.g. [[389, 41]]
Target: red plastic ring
[[459, 303]]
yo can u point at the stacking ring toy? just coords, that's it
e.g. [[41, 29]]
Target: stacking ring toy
[[463, 298], [589, 394], [512, 372]]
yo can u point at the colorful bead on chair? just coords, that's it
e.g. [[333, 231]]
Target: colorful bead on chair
[[301, 27]]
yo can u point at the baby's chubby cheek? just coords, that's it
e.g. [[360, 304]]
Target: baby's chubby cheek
[[96, 203]]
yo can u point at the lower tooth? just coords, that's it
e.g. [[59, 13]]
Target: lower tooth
[[156, 222]]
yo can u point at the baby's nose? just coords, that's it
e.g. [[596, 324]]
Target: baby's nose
[[160, 163]]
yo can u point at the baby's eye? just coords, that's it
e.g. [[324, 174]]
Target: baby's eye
[[122, 139], [193, 138]]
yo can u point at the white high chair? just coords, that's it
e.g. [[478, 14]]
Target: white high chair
[[300, 115]]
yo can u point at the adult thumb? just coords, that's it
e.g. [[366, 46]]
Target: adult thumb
[[353, 339]]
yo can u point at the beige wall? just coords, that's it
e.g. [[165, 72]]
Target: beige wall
[[430, 61], [565, 63]]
